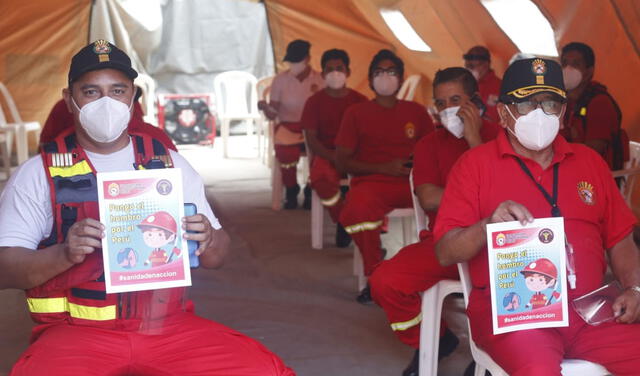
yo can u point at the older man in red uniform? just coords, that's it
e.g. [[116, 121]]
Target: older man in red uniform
[[397, 283], [478, 61], [531, 172], [321, 119], [375, 145]]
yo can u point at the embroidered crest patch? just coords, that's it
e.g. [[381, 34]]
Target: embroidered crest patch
[[101, 46], [586, 193], [539, 68], [410, 130]]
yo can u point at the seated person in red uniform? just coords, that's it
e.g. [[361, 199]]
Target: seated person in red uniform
[[593, 117], [478, 61], [50, 246], [375, 145], [289, 92], [397, 283], [529, 171], [60, 119], [321, 120]]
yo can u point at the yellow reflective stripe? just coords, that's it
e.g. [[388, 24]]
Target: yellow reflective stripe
[[47, 305], [401, 326], [288, 165], [333, 200], [59, 305], [92, 313], [80, 168], [363, 226]]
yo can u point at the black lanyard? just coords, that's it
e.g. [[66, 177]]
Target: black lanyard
[[553, 201]]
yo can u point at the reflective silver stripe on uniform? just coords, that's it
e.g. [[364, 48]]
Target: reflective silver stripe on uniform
[[333, 200], [404, 325], [362, 226]]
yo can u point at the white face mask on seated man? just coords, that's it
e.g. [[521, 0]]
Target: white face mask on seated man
[[451, 121], [385, 84], [336, 79], [104, 119], [535, 130]]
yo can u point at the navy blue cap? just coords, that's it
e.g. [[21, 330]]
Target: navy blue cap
[[100, 55], [528, 77]]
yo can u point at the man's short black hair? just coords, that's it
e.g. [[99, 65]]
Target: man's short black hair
[[584, 50], [386, 55], [334, 54], [457, 74]]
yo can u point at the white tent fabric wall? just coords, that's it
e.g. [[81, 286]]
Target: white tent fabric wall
[[133, 25], [202, 38]]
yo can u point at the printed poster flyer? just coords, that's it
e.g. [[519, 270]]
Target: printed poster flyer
[[143, 248], [527, 269]]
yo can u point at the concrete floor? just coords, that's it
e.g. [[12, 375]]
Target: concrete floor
[[298, 301]]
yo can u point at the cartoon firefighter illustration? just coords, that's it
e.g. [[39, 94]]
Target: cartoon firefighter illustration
[[540, 275], [158, 230]]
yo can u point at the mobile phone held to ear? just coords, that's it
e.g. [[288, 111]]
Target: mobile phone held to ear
[[191, 209], [478, 102]]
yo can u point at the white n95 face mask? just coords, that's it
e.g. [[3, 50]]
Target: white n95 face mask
[[385, 84], [451, 121], [104, 119], [536, 130], [297, 68], [572, 77], [335, 79]]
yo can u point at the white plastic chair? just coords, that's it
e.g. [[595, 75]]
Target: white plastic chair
[[317, 218], [630, 172], [148, 86], [236, 99], [408, 89], [570, 367], [264, 129], [18, 128], [432, 301], [408, 236]]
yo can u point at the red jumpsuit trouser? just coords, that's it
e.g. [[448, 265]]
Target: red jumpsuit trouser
[[540, 351], [367, 202], [187, 345], [288, 152], [396, 285], [325, 180]]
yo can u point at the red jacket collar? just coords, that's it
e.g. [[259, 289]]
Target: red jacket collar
[[561, 148]]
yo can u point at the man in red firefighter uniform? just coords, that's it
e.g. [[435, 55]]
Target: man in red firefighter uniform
[[50, 240], [397, 284], [527, 172], [289, 91], [478, 61], [375, 145], [321, 119], [593, 117]]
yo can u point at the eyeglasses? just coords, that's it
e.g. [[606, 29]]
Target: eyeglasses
[[549, 107], [389, 71]]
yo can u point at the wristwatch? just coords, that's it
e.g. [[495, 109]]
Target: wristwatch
[[635, 288]]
